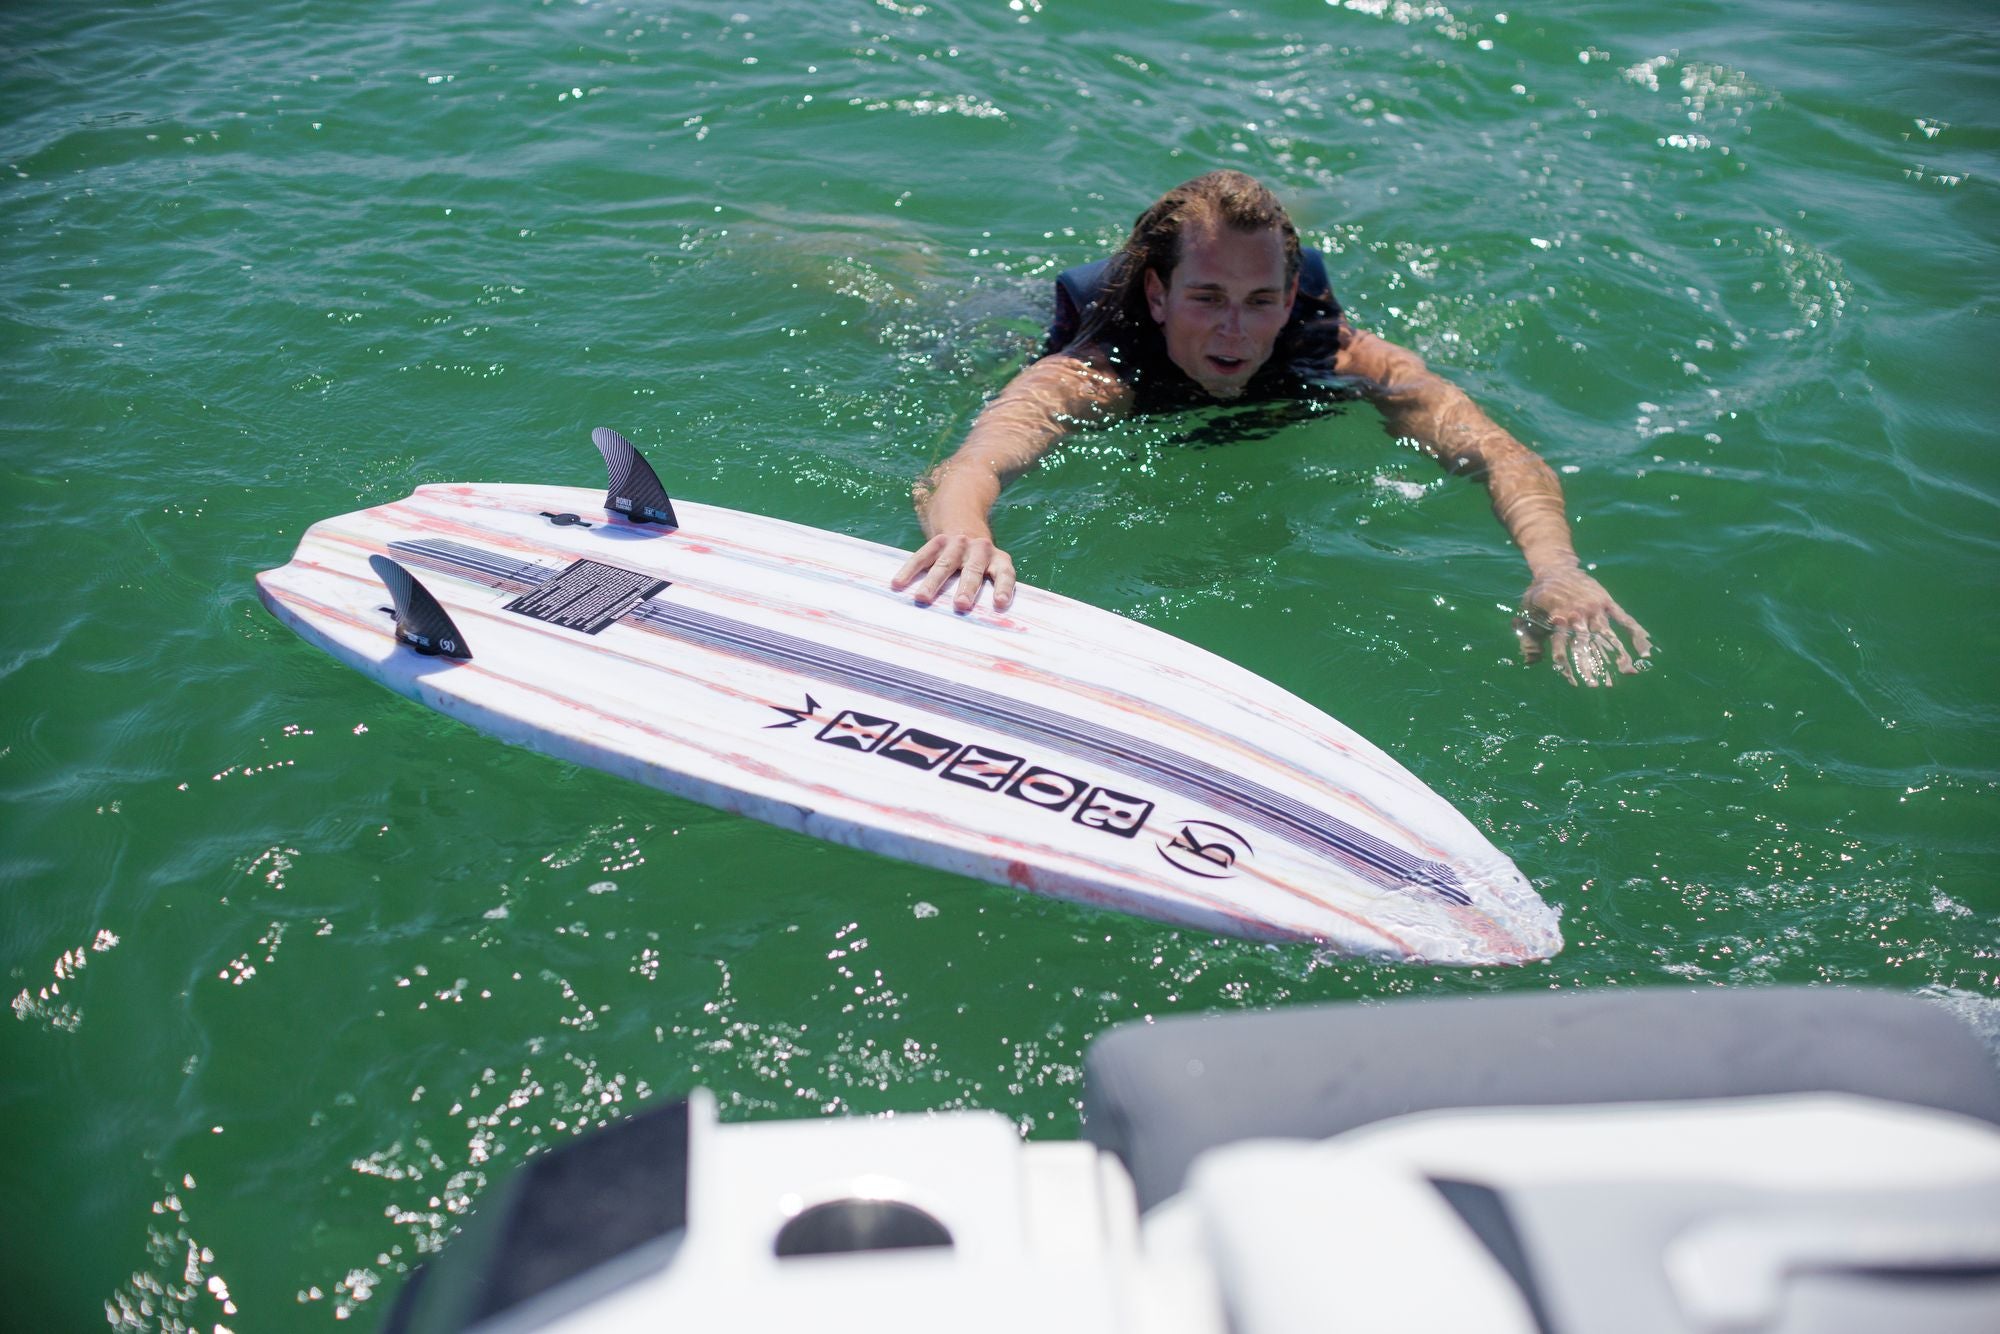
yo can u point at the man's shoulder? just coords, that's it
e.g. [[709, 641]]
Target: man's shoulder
[[1082, 282], [1312, 273]]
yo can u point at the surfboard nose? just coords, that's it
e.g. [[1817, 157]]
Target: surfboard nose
[[1525, 943], [1510, 922], [1493, 917]]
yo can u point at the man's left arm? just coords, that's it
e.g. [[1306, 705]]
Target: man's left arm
[[1564, 609]]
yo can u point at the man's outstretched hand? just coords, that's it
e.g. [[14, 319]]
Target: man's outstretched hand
[[1568, 615], [974, 560]]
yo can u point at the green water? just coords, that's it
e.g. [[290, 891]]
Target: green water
[[298, 967]]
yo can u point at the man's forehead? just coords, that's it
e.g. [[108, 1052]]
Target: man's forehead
[[1213, 255]]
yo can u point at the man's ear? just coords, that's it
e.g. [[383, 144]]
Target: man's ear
[[1156, 296], [1291, 296]]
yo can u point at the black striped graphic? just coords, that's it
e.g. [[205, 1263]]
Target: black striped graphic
[[1375, 860]]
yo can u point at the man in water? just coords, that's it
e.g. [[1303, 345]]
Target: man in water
[[1213, 300]]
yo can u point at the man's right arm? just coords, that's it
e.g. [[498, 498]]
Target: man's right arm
[[1041, 405]]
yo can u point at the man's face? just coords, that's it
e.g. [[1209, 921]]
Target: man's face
[[1226, 303]]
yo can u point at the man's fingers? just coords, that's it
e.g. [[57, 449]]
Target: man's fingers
[[1563, 656], [969, 580], [945, 563], [1002, 575], [1642, 643], [971, 561], [925, 554], [1586, 655], [1569, 617], [1626, 667], [1604, 635], [1573, 650], [1532, 637], [1592, 667]]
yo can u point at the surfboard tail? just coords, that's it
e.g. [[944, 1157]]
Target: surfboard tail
[[635, 490], [421, 621]]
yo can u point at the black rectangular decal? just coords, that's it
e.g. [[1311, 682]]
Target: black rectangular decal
[[587, 596], [1113, 812], [1047, 788], [918, 749], [855, 731], [980, 767]]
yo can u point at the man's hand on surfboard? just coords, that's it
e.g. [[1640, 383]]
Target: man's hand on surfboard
[[973, 559], [1568, 614]]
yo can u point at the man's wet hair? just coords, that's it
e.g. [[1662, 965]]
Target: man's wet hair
[[1224, 198]]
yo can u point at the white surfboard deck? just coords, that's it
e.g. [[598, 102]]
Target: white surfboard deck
[[1054, 747]]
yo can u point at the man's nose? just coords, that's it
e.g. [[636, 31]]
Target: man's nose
[[1232, 318]]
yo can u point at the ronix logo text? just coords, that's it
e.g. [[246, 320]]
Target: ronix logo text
[[1091, 805]]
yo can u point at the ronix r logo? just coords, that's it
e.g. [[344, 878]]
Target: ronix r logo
[[1206, 849], [1090, 805]]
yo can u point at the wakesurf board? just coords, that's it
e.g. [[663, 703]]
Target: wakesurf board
[[767, 669]]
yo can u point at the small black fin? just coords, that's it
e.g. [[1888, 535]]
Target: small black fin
[[635, 490], [420, 621]]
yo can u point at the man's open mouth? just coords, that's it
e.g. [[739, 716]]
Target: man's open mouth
[[1228, 365]]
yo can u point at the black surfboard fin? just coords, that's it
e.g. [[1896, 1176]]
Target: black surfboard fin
[[420, 621], [635, 490]]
